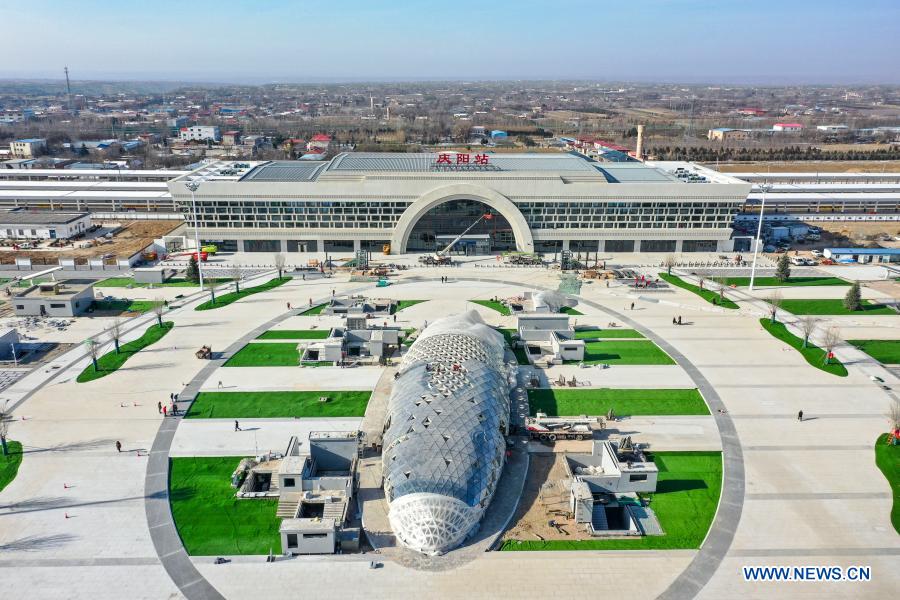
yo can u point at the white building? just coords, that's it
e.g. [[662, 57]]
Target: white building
[[20, 224], [832, 128], [28, 148], [788, 127], [200, 133]]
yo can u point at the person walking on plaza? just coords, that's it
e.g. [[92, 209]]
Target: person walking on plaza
[[159, 407], [800, 416], [679, 319], [118, 446], [165, 412], [632, 306], [237, 426], [289, 305]]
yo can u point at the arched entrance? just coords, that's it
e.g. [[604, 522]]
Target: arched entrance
[[443, 223], [450, 210]]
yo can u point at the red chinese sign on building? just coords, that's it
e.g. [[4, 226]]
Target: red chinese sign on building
[[462, 160]]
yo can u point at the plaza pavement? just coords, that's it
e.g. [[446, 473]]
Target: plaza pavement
[[805, 481]]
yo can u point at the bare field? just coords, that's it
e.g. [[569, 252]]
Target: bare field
[[133, 237], [812, 166]]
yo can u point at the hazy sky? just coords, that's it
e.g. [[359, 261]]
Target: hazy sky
[[728, 41]]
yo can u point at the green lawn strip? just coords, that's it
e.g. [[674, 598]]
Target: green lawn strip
[[813, 354], [229, 298], [624, 352], [9, 464], [406, 304], [493, 305], [265, 355], [601, 334], [294, 334], [888, 460], [710, 296], [521, 355], [271, 405], [884, 351], [685, 503], [317, 363], [833, 306], [315, 310], [124, 305], [111, 361], [209, 519], [568, 310], [124, 282], [624, 402], [791, 281]]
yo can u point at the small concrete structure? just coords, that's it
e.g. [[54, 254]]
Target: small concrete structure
[[66, 298], [540, 302], [604, 487], [863, 255], [20, 223], [549, 338], [314, 484], [360, 306], [152, 274], [356, 340]]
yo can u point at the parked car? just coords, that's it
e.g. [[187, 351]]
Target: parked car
[[817, 253]]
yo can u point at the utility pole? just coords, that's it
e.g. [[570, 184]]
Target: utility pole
[[764, 188], [68, 89]]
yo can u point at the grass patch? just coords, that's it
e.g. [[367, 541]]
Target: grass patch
[[625, 402], [602, 334], [833, 306], [521, 355], [685, 502], [791, 281], [708, 295], [265, 355], [111, 361], [887, 458], [493, 305], [9, 464], [315, 310], [231, 297], [406, 304], [124, 282], [568, 310], [813, 354], [123, 305], [884, 351], [295, 334], [637, 352], [270, 405], [209, 519]]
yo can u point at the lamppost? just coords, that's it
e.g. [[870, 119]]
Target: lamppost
[[763, 188], [193, 186]]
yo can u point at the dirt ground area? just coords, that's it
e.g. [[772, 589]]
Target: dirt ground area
[[857, 233], [545, 498], [811, 166], [132, 237]]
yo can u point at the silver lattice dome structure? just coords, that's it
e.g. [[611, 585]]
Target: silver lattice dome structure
[[444, 434]]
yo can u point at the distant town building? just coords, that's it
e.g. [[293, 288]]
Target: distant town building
[[231, 138], [497, 134], [9, 117], [832, 128], [751, 112], [28, 148], [177, 122], [788, 127], [319, 141], [726, 134], [200, 133]]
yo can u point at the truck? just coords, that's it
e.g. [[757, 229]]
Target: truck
[[549, 429]]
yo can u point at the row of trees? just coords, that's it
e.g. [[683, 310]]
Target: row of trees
[[771, 154]]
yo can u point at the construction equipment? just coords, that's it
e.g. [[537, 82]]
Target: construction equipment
[[441, 256], [204, 352], [549, 429]]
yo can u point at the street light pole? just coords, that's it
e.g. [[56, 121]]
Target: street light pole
[[194, 186], [763, 188]]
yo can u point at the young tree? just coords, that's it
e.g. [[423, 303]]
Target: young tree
[[115, 332], [235, 273], [853, 299], [279, 264], [783, 269], [668, 263], [158, 309], [893, 414], [831, 339], [193, 271], [92, 351], [808, 326], [701, 279], [4, 430], [774, 301]]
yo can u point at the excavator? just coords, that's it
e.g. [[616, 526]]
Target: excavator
[[442, 257]]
